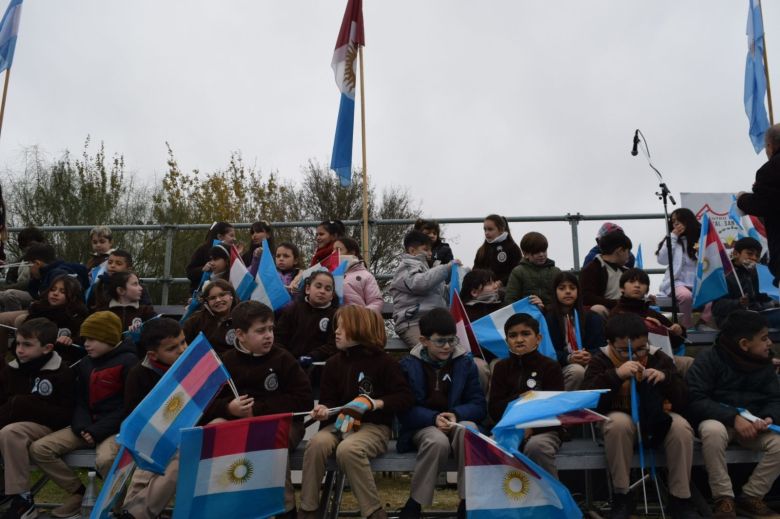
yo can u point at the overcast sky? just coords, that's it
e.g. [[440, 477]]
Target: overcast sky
[[515, 107]]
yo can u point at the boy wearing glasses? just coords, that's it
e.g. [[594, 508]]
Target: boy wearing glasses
[[444, 380], [525, 370], [658, 385]]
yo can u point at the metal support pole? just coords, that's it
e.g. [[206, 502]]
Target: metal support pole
[[170, 232], [574, 222]]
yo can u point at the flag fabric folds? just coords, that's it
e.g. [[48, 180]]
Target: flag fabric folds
[[9, 29], [240, 277], [233, 469], [195, 298], [712, 267], [766, 282], [338, 280], [658, 336], [755, 78], [639, 261], [463, 326], [94, 274], [344, 66], [544, 409], [489, 330], [152, 430], [269, 289], [501, 484], [115, 482]]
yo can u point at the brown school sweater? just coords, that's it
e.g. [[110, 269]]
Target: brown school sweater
[[516, 374], [275, 380], [220, 334], [305, 330], [362, 370]]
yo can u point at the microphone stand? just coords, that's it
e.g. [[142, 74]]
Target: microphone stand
[[665, 195]]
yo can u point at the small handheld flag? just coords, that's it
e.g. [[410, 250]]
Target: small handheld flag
[[712, 266], [233, 469], [639, 260], [115, 482], [269, 289], [195, 299], [344, 63], [463, 326], [151, 430]]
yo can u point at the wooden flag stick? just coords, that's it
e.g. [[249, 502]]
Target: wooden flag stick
[[766, 73], [366, 251], [5, 93]]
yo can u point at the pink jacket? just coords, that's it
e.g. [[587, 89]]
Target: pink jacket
[[360, 288]]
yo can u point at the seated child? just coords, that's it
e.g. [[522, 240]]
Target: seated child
[[118, 261], [480, 294], [657, 380], [288, 264], [606, 228], [269, 380], [499, 253], [572, 356], [416, 288], [737, 372], [126, 291], [13, 292], [745, 256], [369, 384], [446, 389], [100, 384], [36, 398], [258, 231], [163, 339], [221, 231], [360, 286], [219, 261], [63, 304], [600, 279], [526, 369], [305, 327], [534, 275], [219, 298], [102, 245], [441, 253]]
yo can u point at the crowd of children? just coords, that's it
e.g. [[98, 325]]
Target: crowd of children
[[89, 347]]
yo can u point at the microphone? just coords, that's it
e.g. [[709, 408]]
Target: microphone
[[636, 143]]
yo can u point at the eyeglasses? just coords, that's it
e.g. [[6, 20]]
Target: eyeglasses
[[443, 341], [640, 352], [221, 295]]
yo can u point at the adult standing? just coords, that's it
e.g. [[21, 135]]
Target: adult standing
[[763, 200]]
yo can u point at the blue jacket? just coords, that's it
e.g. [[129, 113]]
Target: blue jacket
[[466, 399], [53, 270]]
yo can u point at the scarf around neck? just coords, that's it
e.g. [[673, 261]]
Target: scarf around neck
[[498, 239]]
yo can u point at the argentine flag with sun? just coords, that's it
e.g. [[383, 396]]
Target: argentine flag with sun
[[503, 484], [233, 469]]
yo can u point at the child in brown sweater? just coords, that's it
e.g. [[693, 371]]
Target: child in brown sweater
[[370, 386]]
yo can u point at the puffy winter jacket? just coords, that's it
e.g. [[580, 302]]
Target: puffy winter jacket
[[361, 288], [416, 288]]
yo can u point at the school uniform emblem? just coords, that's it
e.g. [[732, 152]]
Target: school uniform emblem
[[365, 384], [271, 382], [63, 332], [136, 322], [230, 337], [324, 323], [501, 257], [531, 382], [43, 387]]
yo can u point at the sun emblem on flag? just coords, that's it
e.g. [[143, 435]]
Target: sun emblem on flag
[[516, 485], [173, 406], [350, 78], [239, 472], [705, 265]]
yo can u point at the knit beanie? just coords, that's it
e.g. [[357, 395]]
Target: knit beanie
[[606, 228], [103, 326]]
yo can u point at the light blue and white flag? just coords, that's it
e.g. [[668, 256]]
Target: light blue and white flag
[[766, 283], [152, 430], [94, 275], [338, 280], [712, 266], [344, 64], [9, 29], [269, 288], [755, 78], [115, 482], [639, 261], [489, 330]]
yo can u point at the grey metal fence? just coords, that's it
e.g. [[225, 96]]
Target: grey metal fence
[[170, 230]]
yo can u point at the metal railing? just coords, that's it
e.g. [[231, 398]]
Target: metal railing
[[170, 230]]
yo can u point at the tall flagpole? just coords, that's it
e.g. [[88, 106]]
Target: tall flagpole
[[366, 250], [766, 72], [5, 93]]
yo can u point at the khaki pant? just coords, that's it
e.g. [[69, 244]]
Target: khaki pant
[[149, 493], [409, 333], [49, 450], [715, 437], [352, 455], [619, 438], [573, 375], [542, 449], [15, 440], [433, 450]]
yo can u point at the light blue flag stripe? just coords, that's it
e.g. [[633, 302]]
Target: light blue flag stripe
[[341, 159], [9, 29], [755, 80], [269, 278], [766, 282], [338, 280], [639, 261]]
